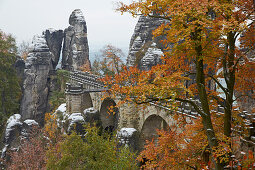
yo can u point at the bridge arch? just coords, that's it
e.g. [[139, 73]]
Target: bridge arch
[[149, 129], [86, 101], [109, 117]]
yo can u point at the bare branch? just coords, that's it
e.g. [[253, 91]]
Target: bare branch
[[218, 83], [218, 100], [196, 107]]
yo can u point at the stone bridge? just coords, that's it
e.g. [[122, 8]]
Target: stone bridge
[[85, 91]]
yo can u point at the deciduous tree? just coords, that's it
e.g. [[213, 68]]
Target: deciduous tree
[[205, 37], [10, 91], [110, 62], [31, 154]]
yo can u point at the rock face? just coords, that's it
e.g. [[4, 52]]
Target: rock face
[[16, 130], [76, 122], [91, 115], [54, 40], [151, 57], [69, 122], [129, 137], [75, 48], [36, 84], [144, 50], [43, 59], [38, 66]]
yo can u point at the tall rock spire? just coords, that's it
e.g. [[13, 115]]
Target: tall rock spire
[[75, 50]]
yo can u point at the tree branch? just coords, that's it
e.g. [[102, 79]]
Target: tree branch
[[218, 83], [234, 67], [219, 102], [151, 100], [196, 107], [158, 16]]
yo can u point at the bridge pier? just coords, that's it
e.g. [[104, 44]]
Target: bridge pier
[[76, 99]]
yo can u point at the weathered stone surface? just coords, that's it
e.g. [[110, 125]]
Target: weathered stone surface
[[16, 129], [151, 57], [69, 122], [128, 136], [91, 115], [75, 48], [54, 40], [13, 129], [76, 123], [34, 101], [142, 40]]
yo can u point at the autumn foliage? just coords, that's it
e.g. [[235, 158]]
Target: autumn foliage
[[108, 62], [31, 154], [85, 67], [210, 60]]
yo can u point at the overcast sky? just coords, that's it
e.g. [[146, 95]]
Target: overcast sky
[[26, 18]]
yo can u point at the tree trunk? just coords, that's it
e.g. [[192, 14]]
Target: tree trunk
[[206, 117], [229, 75]]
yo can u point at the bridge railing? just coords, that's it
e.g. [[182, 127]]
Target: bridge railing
[[90, 81]]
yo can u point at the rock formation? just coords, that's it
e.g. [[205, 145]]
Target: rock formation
[[15, 131], [37, 71], [151, 57], [91, 115], [128, 136], [76, 123], [36, 85], [43, 59], [38, 66], [144, 50], [69, 122], [75, 48]]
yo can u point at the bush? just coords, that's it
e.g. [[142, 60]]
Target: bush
[[94, 151], [31, 154]]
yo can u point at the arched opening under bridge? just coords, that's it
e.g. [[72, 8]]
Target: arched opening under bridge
[[109, 115], [149, 129]]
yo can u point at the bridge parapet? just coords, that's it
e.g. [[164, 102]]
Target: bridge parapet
[[89, 81]]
